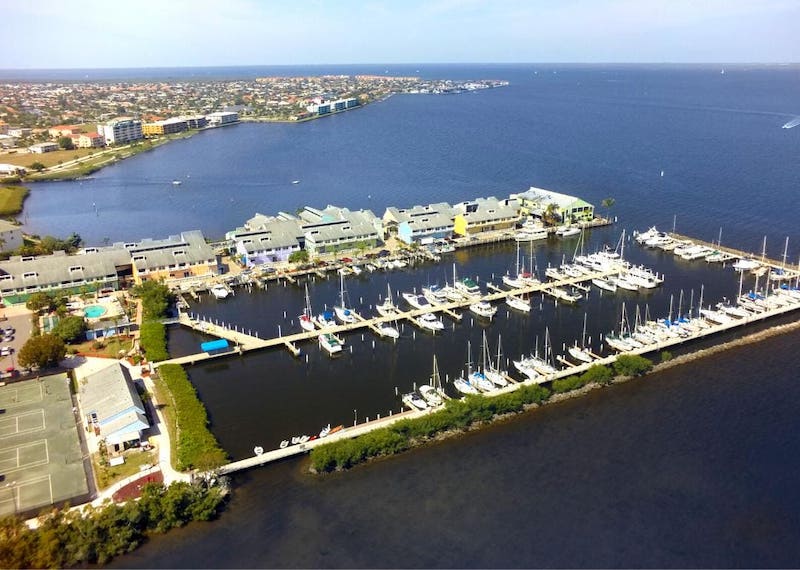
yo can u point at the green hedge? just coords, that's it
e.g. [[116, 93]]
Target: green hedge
[[632, 365], [456, 415], [153, 340], [195, 447], [67, 539]]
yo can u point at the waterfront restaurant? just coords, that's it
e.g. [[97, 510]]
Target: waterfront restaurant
[[485, 214], [419, 223], [570, 209]]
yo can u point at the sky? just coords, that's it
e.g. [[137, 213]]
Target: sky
[[167, 33]]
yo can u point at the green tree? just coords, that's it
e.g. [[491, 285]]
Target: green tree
[[37, 166], [65, 143], [300, 256], [43, 350], [40, 302], [607, 204], [70, 328], [551, 216], [155, 297]]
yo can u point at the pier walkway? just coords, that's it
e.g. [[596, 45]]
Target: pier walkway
[[278, 454], [245, 342]]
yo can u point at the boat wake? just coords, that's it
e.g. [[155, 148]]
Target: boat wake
[[791, 124]]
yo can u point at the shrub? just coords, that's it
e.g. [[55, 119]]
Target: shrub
[[153, 340], [456, 415], [666, 356], [598, 374], [631, 365], [196, 446]]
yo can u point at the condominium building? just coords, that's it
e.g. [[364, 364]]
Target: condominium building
[[334, 229], [88, 140], [121, 130], [165, 127], [220, 118], [182, 257], [485, 214], [419, 223]]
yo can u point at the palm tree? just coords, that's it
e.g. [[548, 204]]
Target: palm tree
[[607, 203]]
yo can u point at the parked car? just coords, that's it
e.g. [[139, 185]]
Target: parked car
[[6, 350]]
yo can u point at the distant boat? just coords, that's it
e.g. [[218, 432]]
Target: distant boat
[[662, 174], [295, 182], [176, 182]]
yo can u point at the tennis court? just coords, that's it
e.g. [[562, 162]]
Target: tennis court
[[41, 462]]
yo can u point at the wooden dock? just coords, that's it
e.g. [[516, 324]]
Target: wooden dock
[[245, 342], [278, 454]]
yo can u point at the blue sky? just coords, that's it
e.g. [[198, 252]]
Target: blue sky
[[155, 33]]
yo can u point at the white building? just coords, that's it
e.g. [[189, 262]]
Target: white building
[[43, 147], [220, 118], [121, 130]]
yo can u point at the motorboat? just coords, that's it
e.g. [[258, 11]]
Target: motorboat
[[607, 284], [526, 235], [468, 287], [220, 291], [388, 331], [330, 343], [417, 301], [434, 294], [518, 303], [325, 431], [567, 231], [483, 309], [429, 321], [414, 401], [430, 395]]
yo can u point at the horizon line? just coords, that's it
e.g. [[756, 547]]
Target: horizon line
[[411, 63]]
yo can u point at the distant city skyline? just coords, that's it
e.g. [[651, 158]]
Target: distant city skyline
[[178, 33]]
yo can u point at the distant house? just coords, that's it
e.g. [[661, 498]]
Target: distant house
[[10, 236], [11, 170], [535, 202], [112, 408], [63, 131], [43, 147], [88, 140]]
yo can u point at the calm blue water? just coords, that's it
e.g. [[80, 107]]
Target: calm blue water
[[691, 467], [593, 131]]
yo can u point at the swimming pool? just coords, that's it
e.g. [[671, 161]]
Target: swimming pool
[[94, 311]]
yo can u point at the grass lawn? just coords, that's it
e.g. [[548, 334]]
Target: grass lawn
[[134, 459], [111, 347], [48, 158], [11, 199]]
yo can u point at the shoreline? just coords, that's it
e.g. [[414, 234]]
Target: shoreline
[[681, 360]]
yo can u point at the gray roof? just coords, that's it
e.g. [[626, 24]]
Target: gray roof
[[110, 395], [486, 210], [422, 218], [276, 234], [55, 270], [188, 247], [335, 223]]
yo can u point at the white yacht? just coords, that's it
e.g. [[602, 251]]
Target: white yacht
[[220, 291], [429, 321], [414, 401], [483, 309], [330, 343], [518, 303]]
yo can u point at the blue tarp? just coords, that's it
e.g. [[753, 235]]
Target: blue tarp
[[212, 345]]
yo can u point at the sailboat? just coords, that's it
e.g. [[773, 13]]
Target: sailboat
[[515, 281], [306, 319], [344, 314], [432, 393], [388, 307], [476, 378], [580, 353], [492, 370]]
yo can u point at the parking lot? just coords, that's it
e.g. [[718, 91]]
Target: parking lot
[[41, 462], [18, 318]]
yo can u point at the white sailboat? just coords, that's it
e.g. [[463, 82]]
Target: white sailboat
[[518, 303], [476, 377], [432, 393], [307, 318], [387, 308], [492, 370], [343, 314], [580, 352], [514, 281]]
